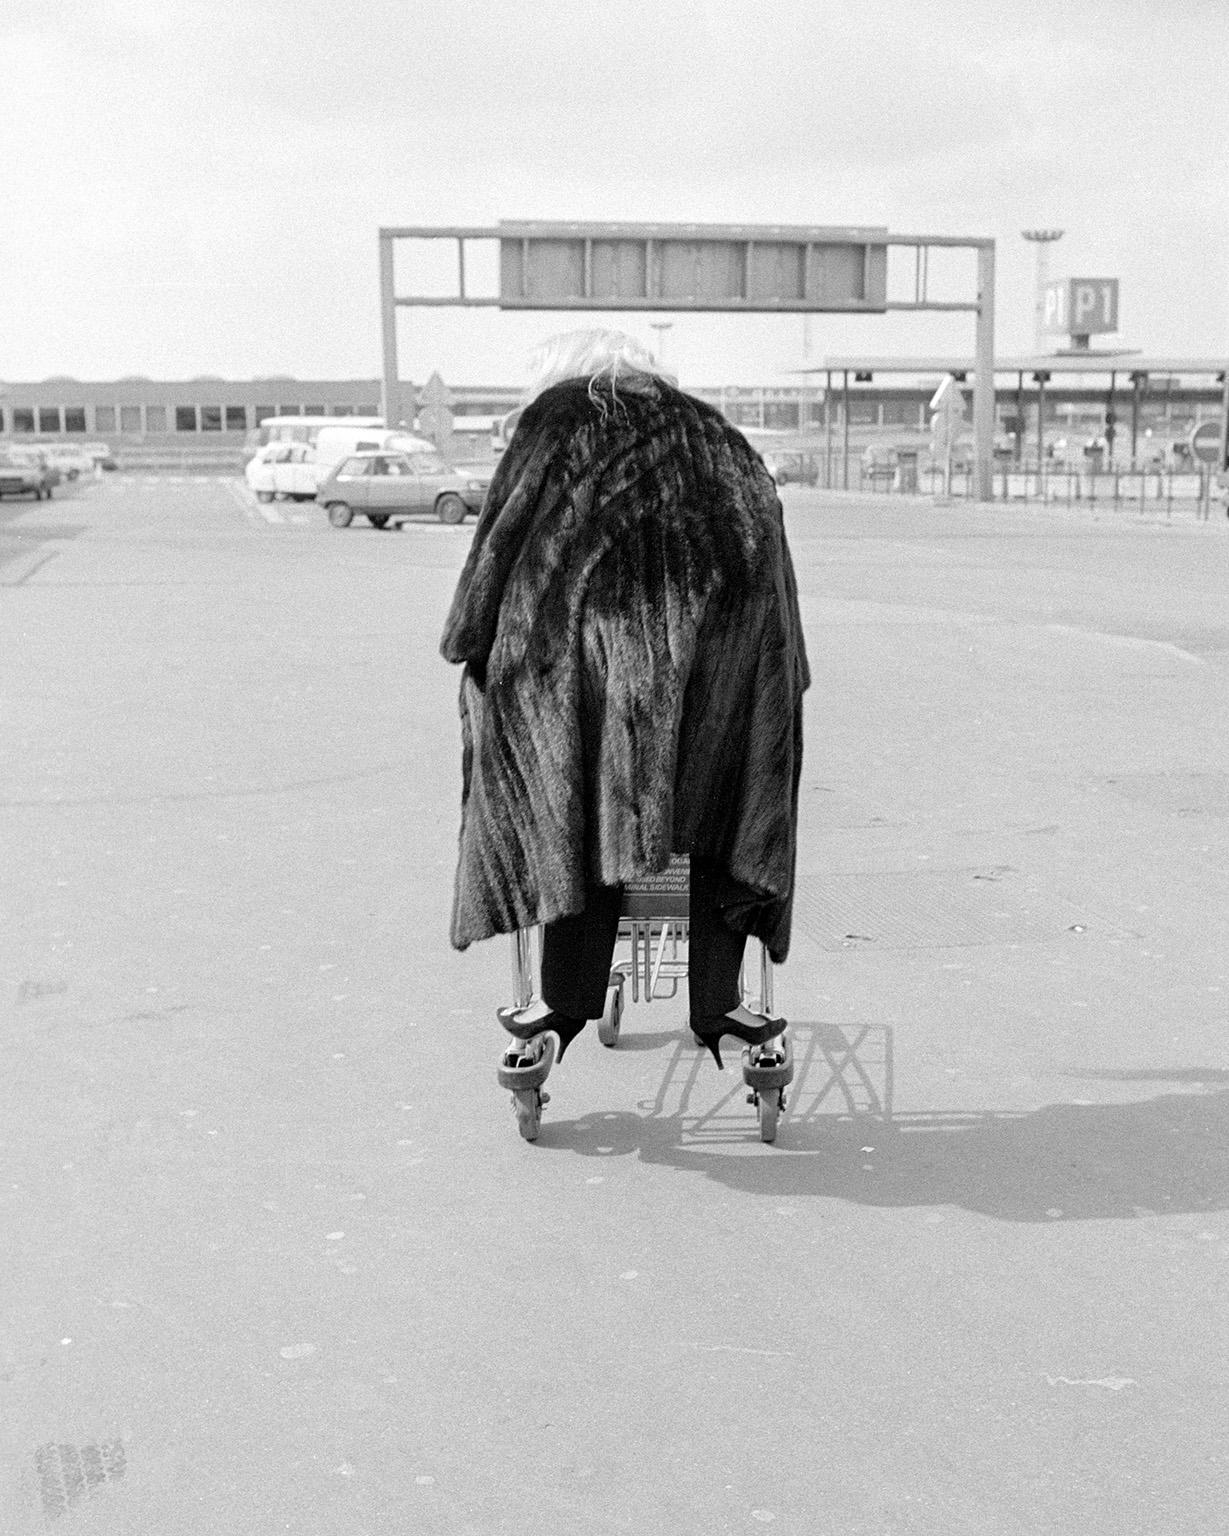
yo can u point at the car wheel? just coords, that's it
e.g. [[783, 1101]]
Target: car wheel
[[264, 495], [340, 515], [450, 508]]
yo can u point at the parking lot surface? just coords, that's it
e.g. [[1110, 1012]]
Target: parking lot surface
[[276, 1257]]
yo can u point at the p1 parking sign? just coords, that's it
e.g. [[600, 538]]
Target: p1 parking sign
[[1082, 306]]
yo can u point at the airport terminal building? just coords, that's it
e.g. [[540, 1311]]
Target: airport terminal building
[[854, 403]]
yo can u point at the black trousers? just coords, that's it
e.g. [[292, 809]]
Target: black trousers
[[577, 952]]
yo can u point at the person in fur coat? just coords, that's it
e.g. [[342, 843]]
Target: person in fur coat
[[634, 670]]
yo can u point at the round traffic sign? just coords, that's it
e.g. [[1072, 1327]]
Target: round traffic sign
[[1204, 442]]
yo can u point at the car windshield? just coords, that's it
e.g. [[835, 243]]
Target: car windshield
[[355, 466]]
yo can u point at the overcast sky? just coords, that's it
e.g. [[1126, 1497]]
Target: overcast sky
[[195, 188]]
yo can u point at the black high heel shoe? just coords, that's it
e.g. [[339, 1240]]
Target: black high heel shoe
[[709, 1030], [559, 1024]]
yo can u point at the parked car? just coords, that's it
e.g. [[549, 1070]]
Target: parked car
[[26, 474], [391, 487], [71, 461], [284, 469], [793, 468]]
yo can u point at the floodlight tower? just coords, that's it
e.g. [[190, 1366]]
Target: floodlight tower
[[1043, 239]]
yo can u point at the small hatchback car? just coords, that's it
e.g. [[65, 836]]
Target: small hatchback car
[[26, 474], [391, 487]]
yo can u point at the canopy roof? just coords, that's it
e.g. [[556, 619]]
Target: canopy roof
[[1047, 362]]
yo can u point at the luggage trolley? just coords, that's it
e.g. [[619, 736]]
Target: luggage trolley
[[651, 952]]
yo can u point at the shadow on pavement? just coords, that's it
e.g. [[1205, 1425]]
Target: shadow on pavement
[[839, 1140]]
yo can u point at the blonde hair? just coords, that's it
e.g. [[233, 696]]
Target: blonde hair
[[594, 355]]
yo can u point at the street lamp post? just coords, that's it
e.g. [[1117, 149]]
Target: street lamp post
[[1043, 239], [661, 327]]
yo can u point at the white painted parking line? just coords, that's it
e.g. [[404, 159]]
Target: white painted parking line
[[243, 498]]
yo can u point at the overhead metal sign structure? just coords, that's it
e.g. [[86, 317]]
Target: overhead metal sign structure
[[714, 268]]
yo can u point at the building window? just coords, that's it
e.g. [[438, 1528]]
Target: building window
[[366, 410], [130, 418], [290, 410], [783, 415], [104, 418], [155, 418], [313, 410], [23, 420], [900, 413], [49, 418], [211, 418], [863, 413], [236, 418], [263, 412], [185, 418], [343, 410], [74, 418]]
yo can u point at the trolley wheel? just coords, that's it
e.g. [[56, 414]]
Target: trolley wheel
[[612, 1015], [527, 1107], [768, 1105]]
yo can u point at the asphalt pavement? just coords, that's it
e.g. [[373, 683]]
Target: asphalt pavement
[[276, 1259]]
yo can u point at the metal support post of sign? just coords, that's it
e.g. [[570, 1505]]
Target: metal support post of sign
[[1224, 420], [390, 404], [828, 431], [983, 375], [1111, 417], [1138, 380]]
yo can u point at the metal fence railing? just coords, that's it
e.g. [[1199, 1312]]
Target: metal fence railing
[[1148, 490]]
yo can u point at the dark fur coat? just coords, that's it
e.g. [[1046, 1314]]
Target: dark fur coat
[[634, 664]]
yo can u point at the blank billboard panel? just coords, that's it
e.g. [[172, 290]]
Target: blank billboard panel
[[696, 271], [545, 270], [778, 271], [692, 267], [620, 269]]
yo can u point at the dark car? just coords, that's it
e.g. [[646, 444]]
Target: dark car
[[391, 487], [24, 474]]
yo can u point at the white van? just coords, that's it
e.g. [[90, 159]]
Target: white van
[[71, 459], [336, 443], [296, 469]]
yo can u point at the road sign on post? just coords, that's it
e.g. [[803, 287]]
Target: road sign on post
[[435, 417], [947, 425], [1205, 443]]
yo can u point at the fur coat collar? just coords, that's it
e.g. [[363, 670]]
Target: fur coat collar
[[628, 621]]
